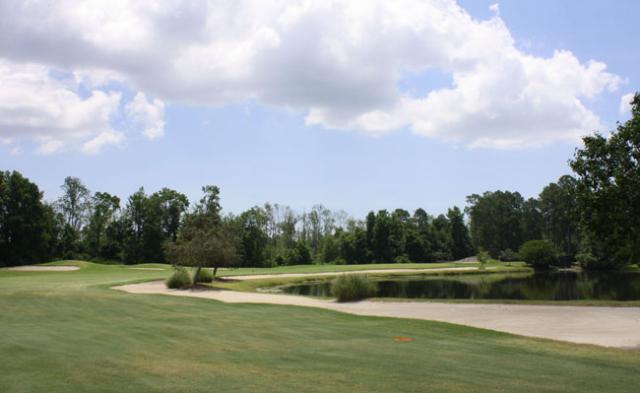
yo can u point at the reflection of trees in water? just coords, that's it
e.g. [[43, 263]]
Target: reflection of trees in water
[[539, 286]]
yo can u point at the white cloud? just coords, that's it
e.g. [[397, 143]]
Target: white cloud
[[36, 106], [108, 137], [339, 62], [625, 103], [148, 115]]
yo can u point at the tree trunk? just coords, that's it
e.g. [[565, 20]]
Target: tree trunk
[[195, 276], [215, 270]]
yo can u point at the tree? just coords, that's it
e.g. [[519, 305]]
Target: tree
[[353, 246], [75, 202], [134, 217], [202, 247], [300, 254], [496, 221], [559, 210], [460, 240], [540, 254], [252, 225], [441, 238], [104, 208], [382, 247], [23, 221], [608, 193], [171, 206], [331, 247], [204, 240], [531, 219]]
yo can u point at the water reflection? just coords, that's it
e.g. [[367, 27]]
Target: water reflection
[[539, 286]]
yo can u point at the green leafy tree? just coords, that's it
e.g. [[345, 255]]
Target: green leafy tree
[[171, 206], [354, 247], [496, 221], [104, 208], [460, 240], [23, 221], [608, 193], [75, 202], [560, 216], [204, 240], [135, 220], [540, 254], [254, 240]]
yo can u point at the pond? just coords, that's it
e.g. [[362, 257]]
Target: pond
[[518, 286]]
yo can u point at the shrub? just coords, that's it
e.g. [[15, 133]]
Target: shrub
[[180, 279], [352, 287], [540, 254], [590, 262], [204, 275], [483, 256], [402, 259], [441, 256], [509, 255], [339, 261]]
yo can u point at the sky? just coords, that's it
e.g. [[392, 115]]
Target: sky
[[355, 105]]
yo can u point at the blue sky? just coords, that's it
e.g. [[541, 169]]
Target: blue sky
[[258, 151]]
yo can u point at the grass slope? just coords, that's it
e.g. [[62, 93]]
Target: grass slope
[[67, 332]]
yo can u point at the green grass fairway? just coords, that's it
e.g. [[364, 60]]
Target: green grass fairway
[[307, 269], [68, 332]]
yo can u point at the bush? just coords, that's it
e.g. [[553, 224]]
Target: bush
[[352, 287], [540, 254], [483, 256], [204, 275], [590, 262], [402, 259], [441, 256], [180, 279], [509, 255], [339, 261]]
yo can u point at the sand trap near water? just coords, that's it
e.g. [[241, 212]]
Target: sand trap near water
[[146, 268], [29, 268], [605, 326]]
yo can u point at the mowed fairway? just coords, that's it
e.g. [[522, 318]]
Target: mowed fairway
[[68, 332]]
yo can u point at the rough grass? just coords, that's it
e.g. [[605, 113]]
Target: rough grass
[[352, 287], [67, 332]]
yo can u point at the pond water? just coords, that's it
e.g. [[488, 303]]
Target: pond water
[[520, 286]]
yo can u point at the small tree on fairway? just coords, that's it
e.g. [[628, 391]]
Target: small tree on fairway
[[203, 241], [203, 248]]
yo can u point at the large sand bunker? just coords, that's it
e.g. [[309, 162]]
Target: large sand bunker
[[606, 326], [30, 268]]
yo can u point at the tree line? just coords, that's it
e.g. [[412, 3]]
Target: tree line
[[592, 216]]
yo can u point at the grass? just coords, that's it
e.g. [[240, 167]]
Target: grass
[[68, 332], [256, 285], [320, 268]]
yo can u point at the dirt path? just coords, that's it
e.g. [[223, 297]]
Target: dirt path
[[371, 271], [43, 268], [606, 326]]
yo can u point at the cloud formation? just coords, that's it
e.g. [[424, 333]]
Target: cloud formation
[[39, 107], [337, 62]]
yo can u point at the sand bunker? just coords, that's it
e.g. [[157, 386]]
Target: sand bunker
[[605, 326], [146, 268], [30, 268]]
